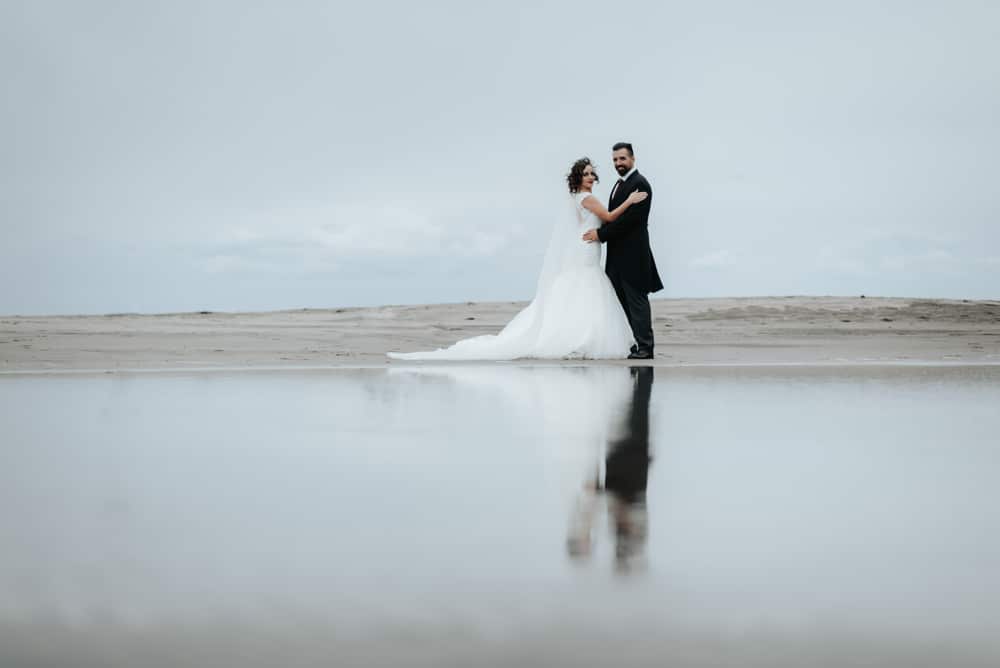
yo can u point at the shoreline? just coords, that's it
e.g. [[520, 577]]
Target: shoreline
[[727, 332], [534, 363]]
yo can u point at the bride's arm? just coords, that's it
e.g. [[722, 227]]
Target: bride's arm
[[591, 204]]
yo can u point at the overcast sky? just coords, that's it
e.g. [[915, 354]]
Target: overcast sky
[[164, 156]]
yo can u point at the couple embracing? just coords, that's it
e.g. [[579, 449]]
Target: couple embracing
[[580, 311]]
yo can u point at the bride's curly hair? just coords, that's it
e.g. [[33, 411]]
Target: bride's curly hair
[[575, 177]]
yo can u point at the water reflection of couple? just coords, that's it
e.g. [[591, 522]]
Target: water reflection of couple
[[586, 419], [626, 472]]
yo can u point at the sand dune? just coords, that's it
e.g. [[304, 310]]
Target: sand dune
[[766, 330]]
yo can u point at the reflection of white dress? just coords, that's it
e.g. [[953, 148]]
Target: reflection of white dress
[[575, 312]]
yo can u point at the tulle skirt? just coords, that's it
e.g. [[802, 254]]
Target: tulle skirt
[[577, 317]]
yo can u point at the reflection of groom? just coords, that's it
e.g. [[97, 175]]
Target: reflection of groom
[[627, 472], [630, 264]]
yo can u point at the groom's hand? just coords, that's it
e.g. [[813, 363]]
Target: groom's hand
[[590, 235]]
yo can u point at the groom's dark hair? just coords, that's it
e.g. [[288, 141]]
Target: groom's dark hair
[[623, 145]]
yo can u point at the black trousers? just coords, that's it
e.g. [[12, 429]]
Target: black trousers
[[635, 302]]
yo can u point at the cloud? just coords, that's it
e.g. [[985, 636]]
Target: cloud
[[936, 260], [714, 260], [884, 255], [324, 146], [321, 239], [842, 261]]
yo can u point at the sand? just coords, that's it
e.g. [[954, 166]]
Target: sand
[[755, 331]]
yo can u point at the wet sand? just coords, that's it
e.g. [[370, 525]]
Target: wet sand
[[759, 331]]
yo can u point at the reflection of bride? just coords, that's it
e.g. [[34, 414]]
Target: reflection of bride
[[592, 424], [575, 312], [572, 411]]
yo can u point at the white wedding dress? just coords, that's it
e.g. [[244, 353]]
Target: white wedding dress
[[575, 313]]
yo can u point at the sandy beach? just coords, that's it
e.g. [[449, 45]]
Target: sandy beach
[[815, 482], [764, 331]]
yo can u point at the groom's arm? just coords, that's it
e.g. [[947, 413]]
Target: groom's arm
[[636, 216]]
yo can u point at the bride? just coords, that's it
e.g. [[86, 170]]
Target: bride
[[575, 313]]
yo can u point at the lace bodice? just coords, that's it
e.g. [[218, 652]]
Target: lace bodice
[[588, 219], [587, 253]]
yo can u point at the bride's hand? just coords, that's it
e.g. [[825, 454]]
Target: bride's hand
[[637, 197]]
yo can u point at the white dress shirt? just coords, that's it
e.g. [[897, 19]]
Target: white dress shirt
[[621, 180]]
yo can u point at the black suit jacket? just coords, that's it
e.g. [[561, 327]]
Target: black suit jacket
[[630, 259]]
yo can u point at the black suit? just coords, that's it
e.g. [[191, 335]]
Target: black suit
[[630, 263]]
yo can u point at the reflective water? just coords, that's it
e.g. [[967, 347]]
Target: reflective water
[[492, 515]]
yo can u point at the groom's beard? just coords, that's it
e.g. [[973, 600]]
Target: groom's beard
[[622, 171]]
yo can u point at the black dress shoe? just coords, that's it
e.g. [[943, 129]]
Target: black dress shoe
[[641, 355]]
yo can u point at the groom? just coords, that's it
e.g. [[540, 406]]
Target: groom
[[630, 264]]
